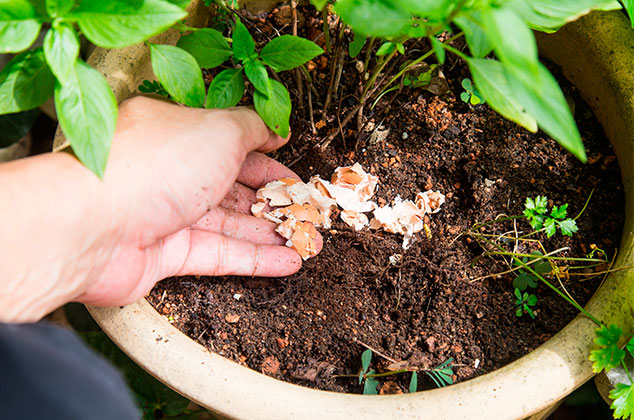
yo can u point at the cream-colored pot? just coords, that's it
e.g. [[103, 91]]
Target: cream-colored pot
[[597, 54]]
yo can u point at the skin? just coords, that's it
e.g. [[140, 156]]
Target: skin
[[175, 200]]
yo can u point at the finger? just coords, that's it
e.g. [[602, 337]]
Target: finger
[[244, 228], [239, 226], [239, 199], [212, 254], [258, 169]]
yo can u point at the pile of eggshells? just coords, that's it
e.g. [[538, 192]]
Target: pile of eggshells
[[299, 207]]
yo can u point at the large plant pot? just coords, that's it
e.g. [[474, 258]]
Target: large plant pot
[[597, 54]]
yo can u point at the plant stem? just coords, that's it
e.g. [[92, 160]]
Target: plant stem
[[560, 293], [324, 15], [368, 54], [375, 74], [585, 205]]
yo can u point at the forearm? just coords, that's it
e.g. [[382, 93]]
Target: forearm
[[47, 205]]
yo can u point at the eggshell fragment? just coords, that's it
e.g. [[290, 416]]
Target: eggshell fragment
[[276, 194], [301, 236], [355, 178], [357, 220]]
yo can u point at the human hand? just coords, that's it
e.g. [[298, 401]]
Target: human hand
[[175, 200], [189, 178]]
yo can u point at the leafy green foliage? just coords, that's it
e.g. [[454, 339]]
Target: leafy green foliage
[[153, 87], [20, 23], [523, 303], [271, 98], [276, 109], [119, 23], [516, 85], [355, 47], [536, 212], [628, 5], [243, 43], [85, 104], [208, 47], [526, 279], [608, 354], [179, 73], [630, 346], [61, 49], [226, 89], [369, 383], [623, 404], [287, 52], [470, 94], [87, 112], [416, 79], [25, 82], [442, 374], [413, 382]]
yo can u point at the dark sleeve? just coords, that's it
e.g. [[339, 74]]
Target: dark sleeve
[[47, 372]]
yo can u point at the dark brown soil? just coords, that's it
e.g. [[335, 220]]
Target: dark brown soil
[[313, 326]]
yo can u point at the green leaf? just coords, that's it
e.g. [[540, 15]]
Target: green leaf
[[542, 98], [476, 37], [25, 82], [226, 89], [56, 8], [466, 84], [355, 47], [369, 387], [492, 83], [628, 5], [524, 280], [366, 358], [623, 404], [541, 204], [256, 73], [550, 226], [20, 24], [119, 23], [276, 109], [380, 18], [243, 43], [439, 50], [465, 96], [179, 73], [531, 300], [319, 4], [413, 383], [514, 41], [15, 126], [630, 346], [559, 212], [548, 15], [87, 113], [208, 47], [386, 48], [287, 52], [180, 3], [431, 10], [475, 99], [61, 49], [568, 227], [608, 355]]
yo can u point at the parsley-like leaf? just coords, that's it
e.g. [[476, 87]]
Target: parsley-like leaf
[[550, 227], [630, 346], [608, 355], [623, 404], [568, 227], [559, 212], [524, 280]]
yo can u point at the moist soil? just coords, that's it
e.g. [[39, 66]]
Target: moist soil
[[419, 305]]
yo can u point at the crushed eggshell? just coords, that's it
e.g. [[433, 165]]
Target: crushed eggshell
[[405, 216], [298, 207]]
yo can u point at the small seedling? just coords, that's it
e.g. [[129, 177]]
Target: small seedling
[[526, 279], [524, 302], [442, 375], [365, 375], [470, 94], [153, 87], [536, 211]]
